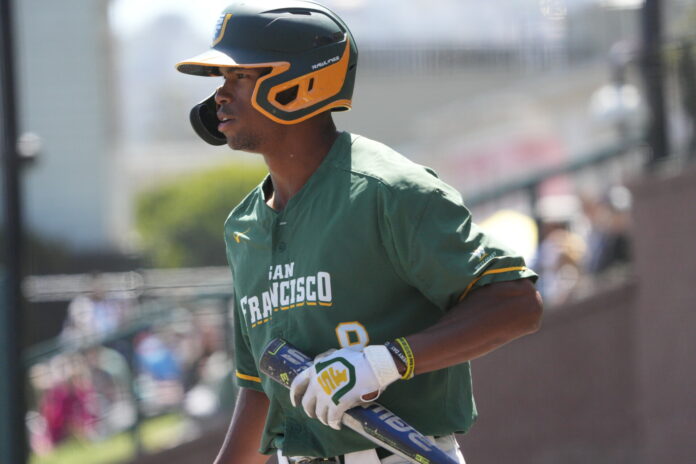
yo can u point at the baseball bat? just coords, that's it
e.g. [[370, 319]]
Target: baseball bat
[[282, 362]]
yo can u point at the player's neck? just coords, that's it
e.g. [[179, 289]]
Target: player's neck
[[293, 162]]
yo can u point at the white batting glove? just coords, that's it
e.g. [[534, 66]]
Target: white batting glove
[[341, 380]]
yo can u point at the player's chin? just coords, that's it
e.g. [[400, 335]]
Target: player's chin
[[243, 142]]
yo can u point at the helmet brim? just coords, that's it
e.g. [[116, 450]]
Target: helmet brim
[[207, 63], [210, 62]]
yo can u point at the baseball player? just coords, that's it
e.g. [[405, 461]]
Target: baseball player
[[347, 250]]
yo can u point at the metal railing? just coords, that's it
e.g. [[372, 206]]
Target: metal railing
[[630, 153]]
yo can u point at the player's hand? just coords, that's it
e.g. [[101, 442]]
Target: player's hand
[[341, 380]]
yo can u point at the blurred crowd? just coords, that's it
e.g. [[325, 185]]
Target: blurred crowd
[[113, 369], [584, 243]]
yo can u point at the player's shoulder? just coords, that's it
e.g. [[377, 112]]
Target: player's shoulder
[[381, 164], [247, 209]]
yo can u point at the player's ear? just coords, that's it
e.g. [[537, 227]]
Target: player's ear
[[204, 121]]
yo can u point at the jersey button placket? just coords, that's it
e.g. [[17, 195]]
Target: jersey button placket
[[279, 235], [280, 246]]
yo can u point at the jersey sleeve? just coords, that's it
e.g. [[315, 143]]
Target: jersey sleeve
[[434, 245], [245, 371]]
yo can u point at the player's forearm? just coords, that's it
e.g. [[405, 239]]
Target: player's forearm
[[244, 434], [486, 319]]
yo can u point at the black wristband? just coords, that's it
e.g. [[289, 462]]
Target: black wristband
[[396, 349]]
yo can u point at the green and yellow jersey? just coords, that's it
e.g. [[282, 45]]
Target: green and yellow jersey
[[372, 248]]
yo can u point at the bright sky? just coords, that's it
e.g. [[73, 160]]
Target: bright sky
[[128, 16]]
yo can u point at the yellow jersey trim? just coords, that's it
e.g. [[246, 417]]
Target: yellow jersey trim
[[492, 271], [248, 377]]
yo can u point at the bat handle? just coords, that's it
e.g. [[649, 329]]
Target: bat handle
[[282, 362]]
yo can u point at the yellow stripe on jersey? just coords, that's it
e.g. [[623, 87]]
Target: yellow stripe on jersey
[[248, 377], [492, 271]]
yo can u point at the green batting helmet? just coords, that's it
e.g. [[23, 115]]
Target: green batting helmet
[[310, 52]]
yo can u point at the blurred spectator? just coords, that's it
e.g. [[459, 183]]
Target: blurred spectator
[[67, 404], [608, 234], [156, 359], [581, 238], [160, 373], [204, 398], [111, 379], [41, 381], [561, 251], [94, 315], [206, 378]]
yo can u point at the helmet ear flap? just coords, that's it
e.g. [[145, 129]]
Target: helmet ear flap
[[204, 120]]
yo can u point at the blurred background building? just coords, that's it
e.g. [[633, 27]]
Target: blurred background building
[[66, 75], [535, 110]]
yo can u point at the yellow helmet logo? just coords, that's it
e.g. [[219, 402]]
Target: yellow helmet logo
[[220, 28]]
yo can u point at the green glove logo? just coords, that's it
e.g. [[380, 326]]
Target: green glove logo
[[336, 377]]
